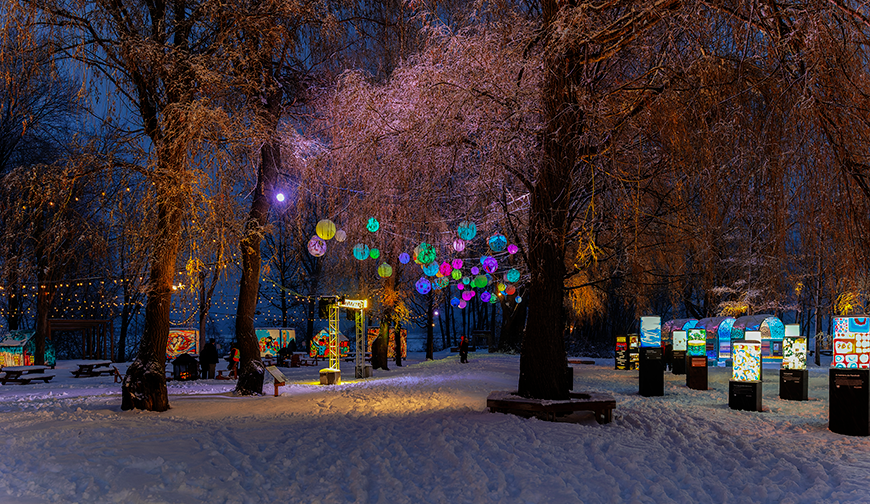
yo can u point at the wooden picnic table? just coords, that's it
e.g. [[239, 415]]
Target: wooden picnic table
[[25, 374], [93, 368]]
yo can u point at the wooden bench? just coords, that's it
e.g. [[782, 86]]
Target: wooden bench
[[23, 375], [600, 404]]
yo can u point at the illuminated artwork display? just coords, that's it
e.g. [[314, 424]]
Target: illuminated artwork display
[[680, 341], [771, 330], [320, 345], [18, 348], [696, 344], [182, 341], [851, 342], [650, 332], [794, 352], [621, 343], [391, 348], [273, 339], [747, 361]]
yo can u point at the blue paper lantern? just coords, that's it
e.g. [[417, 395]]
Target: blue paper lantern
[[361, 251], [423, 285], [467, 230]]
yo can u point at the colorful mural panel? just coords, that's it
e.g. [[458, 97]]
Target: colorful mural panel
[[747, 361], [182, 341], [320, 345], [650, 332], [794, 352], [851, 342], [273, 339], [696, 345], [680, 341], [19, 348]]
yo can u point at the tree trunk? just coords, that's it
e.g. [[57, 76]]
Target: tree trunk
[[251, 368], [430, 329], [144, 385], [543, 359], [397, 331]]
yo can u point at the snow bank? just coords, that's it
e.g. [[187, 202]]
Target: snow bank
[[420, 433]]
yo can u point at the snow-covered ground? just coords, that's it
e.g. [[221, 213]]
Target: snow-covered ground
[[421, 433]]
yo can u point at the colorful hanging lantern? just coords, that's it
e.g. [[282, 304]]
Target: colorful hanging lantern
[[484, 296], [475, 270], [458, 244], [431, 269], [316, 246], [445, 269], [462, 304], [454, 302], [456, 263], [385, 270], [490, 265], [423, 285], [374, 253], [518, 299], [480, 282], [467, 230], [361, 251], [325, 229], [512, 249], [466, 280], [424, 253], [500, 287], [493, 299], [340, 235], [373, 225], [510, 290], [404, 258], [512, 276], [456, 274], [497, 242], [483, 259], [467, 295], [440, 283], [460, 286]]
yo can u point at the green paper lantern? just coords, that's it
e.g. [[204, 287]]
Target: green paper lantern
[[374, 253]]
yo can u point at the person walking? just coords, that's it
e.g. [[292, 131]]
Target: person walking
[[208, 359], [463, 350]]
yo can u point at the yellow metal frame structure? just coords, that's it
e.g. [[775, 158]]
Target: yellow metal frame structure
[[334, 353]]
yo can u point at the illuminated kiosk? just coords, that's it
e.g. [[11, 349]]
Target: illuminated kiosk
[[793, 375], [332, 374], [772, 332], [680, 344], [718, 346], [651, 380], [849, 378], [675, 358], [744, 388], [696, 359], [622, 359]]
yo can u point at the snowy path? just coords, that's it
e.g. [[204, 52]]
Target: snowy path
[[420, 434]]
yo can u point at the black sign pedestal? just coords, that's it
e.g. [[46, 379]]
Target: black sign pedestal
[[744, 395], [849, 401], [678, 366], [651, 374], [696, 372], [793, 384]]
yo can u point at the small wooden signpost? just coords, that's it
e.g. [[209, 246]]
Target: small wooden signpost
[[277, 376]]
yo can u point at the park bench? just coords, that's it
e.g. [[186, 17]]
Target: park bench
[[600, 404]]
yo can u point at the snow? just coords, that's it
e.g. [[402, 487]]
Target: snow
[[421, 433]]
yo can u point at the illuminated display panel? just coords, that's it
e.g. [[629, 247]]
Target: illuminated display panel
[[851, 342], [181, 341], [747, 361], [650, 332], [680, 341], [273, 339], [794, 352], [696, 344], [621, 343]]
